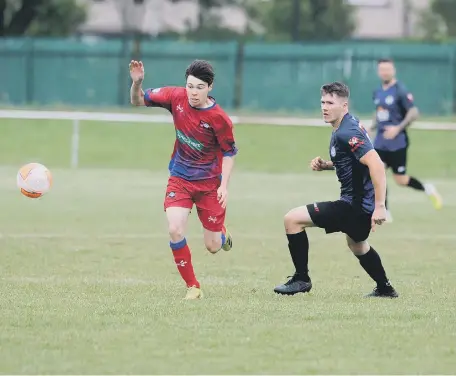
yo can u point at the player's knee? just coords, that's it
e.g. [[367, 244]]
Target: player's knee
[[289, 222], [358, 248], [296, 220], [213, 245], [176, 232]]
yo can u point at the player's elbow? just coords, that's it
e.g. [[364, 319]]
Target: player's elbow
[[414, 113], [231, 153], [135, 102]]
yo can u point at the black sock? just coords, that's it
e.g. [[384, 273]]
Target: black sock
[[298, 244], [372, 264], [415, 184]]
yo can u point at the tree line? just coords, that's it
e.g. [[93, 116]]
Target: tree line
[[279, 20]]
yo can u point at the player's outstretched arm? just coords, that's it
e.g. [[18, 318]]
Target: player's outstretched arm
[[137, 77], [378, 176], [136, 95], [158, 97]]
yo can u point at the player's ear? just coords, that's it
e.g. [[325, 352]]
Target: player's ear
[[210, 87]]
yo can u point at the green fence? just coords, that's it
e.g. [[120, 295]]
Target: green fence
[[290, 76], [253, 76]]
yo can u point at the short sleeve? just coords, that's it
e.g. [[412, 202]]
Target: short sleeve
[[405, 98], [223, 128], [159, 97], [356, 140]]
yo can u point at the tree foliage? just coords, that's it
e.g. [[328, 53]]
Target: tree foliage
[[204, 16], [285, 20], [446, 10], [40, 17]]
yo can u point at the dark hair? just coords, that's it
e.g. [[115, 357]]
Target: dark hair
[[202, 70], [385, 60], [337, 88]]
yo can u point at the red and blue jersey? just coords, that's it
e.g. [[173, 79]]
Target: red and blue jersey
[[203, 135]]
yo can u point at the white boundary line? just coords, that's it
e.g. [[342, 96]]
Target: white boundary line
[[237, 119]]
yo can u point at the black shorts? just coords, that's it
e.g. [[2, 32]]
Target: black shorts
[[397, 160], [340, 216]]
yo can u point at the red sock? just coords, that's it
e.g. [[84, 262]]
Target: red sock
[[183, 259]]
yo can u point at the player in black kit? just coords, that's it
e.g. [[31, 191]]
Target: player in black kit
[[395, 111], [362, 201]]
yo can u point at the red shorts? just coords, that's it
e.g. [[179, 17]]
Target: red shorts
[[203, 193]]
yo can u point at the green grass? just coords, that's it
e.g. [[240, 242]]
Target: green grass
[[148, 146], [89, 284]]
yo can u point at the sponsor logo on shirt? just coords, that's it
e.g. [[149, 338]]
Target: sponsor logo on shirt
[[194, 144]]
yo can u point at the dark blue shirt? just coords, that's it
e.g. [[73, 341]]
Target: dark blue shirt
[[391, 106], [349, 143]]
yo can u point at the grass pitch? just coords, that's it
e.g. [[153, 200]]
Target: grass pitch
[[89, 284]]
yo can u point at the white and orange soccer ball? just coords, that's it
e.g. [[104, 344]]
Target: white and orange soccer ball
[[34, 180]]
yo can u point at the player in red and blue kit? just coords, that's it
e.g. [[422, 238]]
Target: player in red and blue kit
[[201, 162]]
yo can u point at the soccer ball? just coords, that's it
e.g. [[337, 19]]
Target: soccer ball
[[34, 180]]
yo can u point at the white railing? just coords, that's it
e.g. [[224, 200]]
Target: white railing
[[76, 117]]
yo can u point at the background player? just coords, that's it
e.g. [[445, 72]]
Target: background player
[[201, 162], [361, 205], [395, 111]]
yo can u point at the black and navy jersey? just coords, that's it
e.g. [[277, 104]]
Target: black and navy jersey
[[391, 106], [349, 143]]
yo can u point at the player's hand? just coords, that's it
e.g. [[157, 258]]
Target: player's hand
[[391, 132], [317, 164], [379, 216], [137, 71], [222, 196]]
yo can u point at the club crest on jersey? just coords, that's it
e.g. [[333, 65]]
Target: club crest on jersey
[[204, 125], [355, 143], [389, 100]]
